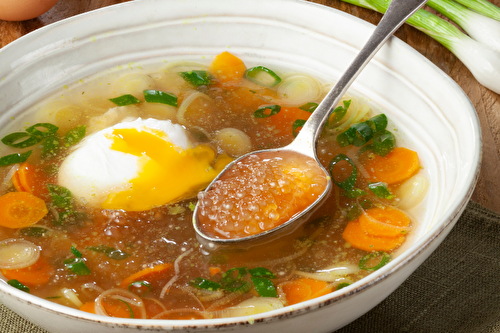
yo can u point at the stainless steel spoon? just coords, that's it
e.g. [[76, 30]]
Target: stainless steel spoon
[[306, 141]]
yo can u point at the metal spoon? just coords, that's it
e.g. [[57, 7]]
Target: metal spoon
[[305, 143]]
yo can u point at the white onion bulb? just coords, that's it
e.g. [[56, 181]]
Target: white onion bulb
[[412, 192], [17, 254]]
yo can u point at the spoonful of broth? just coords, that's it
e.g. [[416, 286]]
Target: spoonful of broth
[[268, 192]]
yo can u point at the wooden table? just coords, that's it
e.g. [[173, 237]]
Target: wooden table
[[486, 102]]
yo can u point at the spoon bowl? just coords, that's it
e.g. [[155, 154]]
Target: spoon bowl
[[306, 141]]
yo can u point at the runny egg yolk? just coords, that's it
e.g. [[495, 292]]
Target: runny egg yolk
[[167, 173]]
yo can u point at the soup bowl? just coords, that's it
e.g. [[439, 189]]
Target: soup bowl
[[432, 114]]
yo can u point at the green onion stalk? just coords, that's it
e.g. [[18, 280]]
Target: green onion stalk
[[483, 7], [482, 60]]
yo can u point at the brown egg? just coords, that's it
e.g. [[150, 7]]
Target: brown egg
[[20, 10]]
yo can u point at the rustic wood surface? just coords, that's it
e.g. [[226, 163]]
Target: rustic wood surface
[[486, 102]]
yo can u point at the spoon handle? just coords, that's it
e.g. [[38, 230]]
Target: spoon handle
[[397, 13]]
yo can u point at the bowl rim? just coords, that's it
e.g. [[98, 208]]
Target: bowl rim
[[445, 223]]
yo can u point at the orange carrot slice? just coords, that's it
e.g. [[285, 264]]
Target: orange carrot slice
[[21, 209], [88, 307], [303, 289], [400, 164], [148, 274], [35, 275], [359, 239], [28, 178], [214, 270], [227, 67], [114, 308], [385, 222]]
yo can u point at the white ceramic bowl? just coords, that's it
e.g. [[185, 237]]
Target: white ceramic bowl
[[432, 112]]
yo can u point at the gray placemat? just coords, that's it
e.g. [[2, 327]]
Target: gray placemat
[[456, 290]]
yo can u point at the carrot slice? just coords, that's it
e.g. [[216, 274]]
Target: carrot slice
[[227, 67], [148, 274], [35, 275], [214, 270], [113, 308], [400, 164], [88, 307], [28, 178], [359, 239], [283, 120], [385, 222], [21, 209], [303, 289]]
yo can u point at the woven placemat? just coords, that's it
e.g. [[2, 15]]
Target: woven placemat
[[456, 290]]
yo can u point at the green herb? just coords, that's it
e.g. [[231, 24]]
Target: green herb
[[233, 274], [341, 111], [75, 252], [385, 258], [297, 124], [353, 212], [156, 96], [357, 135], [342, 285], [33, 231], [202, 283], [262, 76], [77, 266], [366, 204], [139, 285], [197, 78], [309, 107], [261, 112], [348, 183], [354, 193], [125, 100], [15, 158], [261, 272], [129, 308], [16, 284], [74, 135], [264, 287], [110, 252], [381, 191], [239, 286], [192, 206], [48, 130], [378, 122], [383, 142], [15, 140], [61, 196], [50, 146]]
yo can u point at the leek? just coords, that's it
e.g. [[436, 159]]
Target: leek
[[480, 59], [483, 7], [481, 28]]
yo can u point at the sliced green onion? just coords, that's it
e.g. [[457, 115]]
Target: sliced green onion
[[77, 266], [74, 135], [61, 196], [309, 107], [196, 77], [262, 76], [261, 112], [156, 96], [381, 191], [341, 111], [50, 146], [357, 135], [342, 285], [49, 129], [264, 287], [366, 204], [202, 283], [33, 231], [75, 252], [383, 142], [228, 276], [15, 158], [237, 286], [139, 285], [378, 122], [129, 308], [69, 217], [16, 284], [383, 261], [261, 272], [348, 183], [13, 140], [297, 124], [125, 100], [354, 212], [110, 252], [354, 193]]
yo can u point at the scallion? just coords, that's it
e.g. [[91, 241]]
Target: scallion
[[125, 100], [384, 260], [262, 76], [110, 252], [48, 129], [202, 283], [296, 125], [61, 196], [309, 107], [261, 112], [381, 191], [383, 142], [261, 272], [156, 96], [16, 284], [15, 158], [348, 183], [197, 77], [20, 140], [264, 287], [74, 135]]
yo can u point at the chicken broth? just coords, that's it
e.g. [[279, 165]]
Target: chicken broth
[[99, 191]]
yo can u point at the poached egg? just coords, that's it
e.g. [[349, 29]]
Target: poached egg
[[138, 165]]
